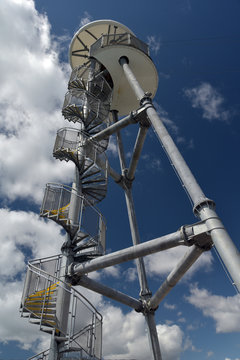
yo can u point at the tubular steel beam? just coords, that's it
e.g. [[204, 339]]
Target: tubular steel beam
[[150, 247], [175, 275], [114, 174], [137, 151], [203, 207], [113, 128], [153, 336], [145, 292], [131, 214], [88, 283], [179, 163]]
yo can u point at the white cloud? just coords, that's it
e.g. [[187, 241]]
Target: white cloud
[[169, 306], [225, 311], [85, 19], [22, 233], [131, 336], [154, 44], [163, 262], [206, 98], [12, 326], [33, 84], [112, 147], [210, 353], [131, 274], [151, 162], [171, 126]]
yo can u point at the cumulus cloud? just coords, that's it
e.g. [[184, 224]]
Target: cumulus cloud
[[23, 236], [206, 98], [13, 327], [225, 311], [129, 338], [33, 84], [86, 18], [25, 233], [154, 44], [163, 262], [172, 127], [169, 306]]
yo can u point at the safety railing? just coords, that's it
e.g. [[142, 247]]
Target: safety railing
[[125, 39], [97, 82], [84, 223], [81, 106], [82, 324]]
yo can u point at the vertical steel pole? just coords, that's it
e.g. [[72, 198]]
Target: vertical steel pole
[[145, 292], [132, 216], [53, 351], [203, 207]]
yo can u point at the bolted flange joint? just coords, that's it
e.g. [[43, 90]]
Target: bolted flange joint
[[197, 234], [146, 99]]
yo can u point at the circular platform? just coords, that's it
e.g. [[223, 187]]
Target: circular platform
[[88, 35], [124, 100]]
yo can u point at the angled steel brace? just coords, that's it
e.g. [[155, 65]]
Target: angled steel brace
[[175, 276], [91, 284], [137, 151], [127, 254]]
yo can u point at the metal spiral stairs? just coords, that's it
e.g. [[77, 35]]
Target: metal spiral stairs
[[78, 336], [74, 323]]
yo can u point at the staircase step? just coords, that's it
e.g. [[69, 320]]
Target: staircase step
[[79, 237], [43, 316], [84, 246]]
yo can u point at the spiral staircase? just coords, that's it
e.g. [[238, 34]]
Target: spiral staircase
[[48, 300]]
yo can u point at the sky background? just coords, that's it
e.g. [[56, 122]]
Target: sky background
[[195, 47]]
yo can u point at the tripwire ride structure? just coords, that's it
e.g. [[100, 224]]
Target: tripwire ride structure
[[113, 76]]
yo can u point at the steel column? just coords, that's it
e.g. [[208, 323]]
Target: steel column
[[153, 336], [145, 292], [131, 215], [137, 151], [175, 275], [113, 128], [93, 285], [149, 247], [222, 241]]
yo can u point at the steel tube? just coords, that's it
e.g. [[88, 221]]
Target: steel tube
[[175, 276], [114, 174], [153, 336], [179, 163], [113, 128], [53, 351], [88, 283], [222, 241], [137, 152], [127, 254], [131, 215], [145, 292], [136, 240]]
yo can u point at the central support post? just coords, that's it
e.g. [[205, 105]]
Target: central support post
[[145, 293]]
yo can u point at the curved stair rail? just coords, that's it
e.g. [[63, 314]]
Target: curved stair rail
[[48, 300], [84, 323], [74, 145], [87, 231]]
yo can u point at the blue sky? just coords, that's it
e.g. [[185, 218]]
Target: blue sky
[[195, 47]]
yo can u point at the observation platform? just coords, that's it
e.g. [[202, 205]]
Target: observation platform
[[107, 41]]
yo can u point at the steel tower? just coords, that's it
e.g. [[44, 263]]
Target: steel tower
[[111, 86]]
